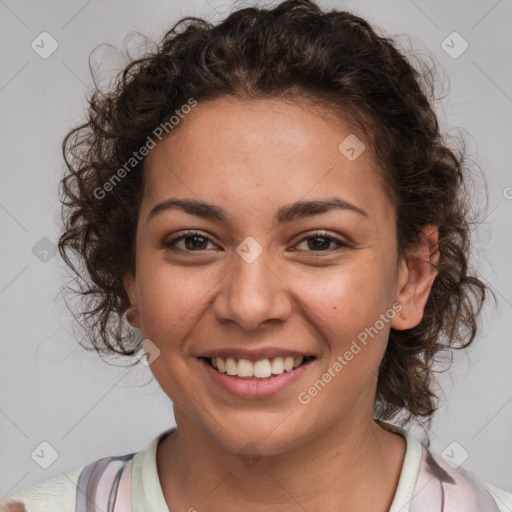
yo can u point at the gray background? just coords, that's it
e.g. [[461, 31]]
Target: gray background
[[54, 391]]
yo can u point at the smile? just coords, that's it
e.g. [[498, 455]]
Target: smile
[[261, 369], [257, 379]]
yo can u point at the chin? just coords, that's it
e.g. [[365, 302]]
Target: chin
[[253, 436]]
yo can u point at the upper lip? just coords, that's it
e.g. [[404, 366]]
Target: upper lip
[[255, 354]]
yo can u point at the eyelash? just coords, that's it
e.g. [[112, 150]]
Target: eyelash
[[310, 236]]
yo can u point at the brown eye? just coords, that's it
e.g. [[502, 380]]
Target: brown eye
[[192, 242], [320, 242]]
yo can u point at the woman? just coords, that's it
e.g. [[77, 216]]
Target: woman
[[269, 203]]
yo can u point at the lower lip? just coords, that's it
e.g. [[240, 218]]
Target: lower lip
[[248, 388]]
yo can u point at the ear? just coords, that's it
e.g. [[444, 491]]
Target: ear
[[416, 276], [129, 284]]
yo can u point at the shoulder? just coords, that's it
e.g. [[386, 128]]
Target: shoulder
[[442, 486], [97, 482], [96, 486], [59, 493], [430, 482]]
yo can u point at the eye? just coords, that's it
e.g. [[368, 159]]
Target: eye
[[320, 241], [193, 241]]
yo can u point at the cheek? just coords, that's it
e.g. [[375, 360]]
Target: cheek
[[351, 295], [171, 299], [345, 307]]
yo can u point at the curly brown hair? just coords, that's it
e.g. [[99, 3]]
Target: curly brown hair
[[296, 52]]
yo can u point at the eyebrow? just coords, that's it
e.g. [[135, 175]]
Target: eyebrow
[[283, 215]]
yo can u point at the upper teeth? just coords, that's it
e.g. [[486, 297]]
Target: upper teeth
[[261, 369]]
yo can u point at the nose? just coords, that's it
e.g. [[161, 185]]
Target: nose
[[252, 294]]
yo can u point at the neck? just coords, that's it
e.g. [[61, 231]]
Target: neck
[[338, 470]]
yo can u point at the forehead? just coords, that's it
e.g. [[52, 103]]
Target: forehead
[[264, 151]]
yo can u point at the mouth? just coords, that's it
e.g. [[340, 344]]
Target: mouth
[[260, 370]]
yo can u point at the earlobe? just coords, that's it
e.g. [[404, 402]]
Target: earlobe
[[132, 314], [416, 277]]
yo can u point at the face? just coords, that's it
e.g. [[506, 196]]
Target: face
[[255, 275]]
